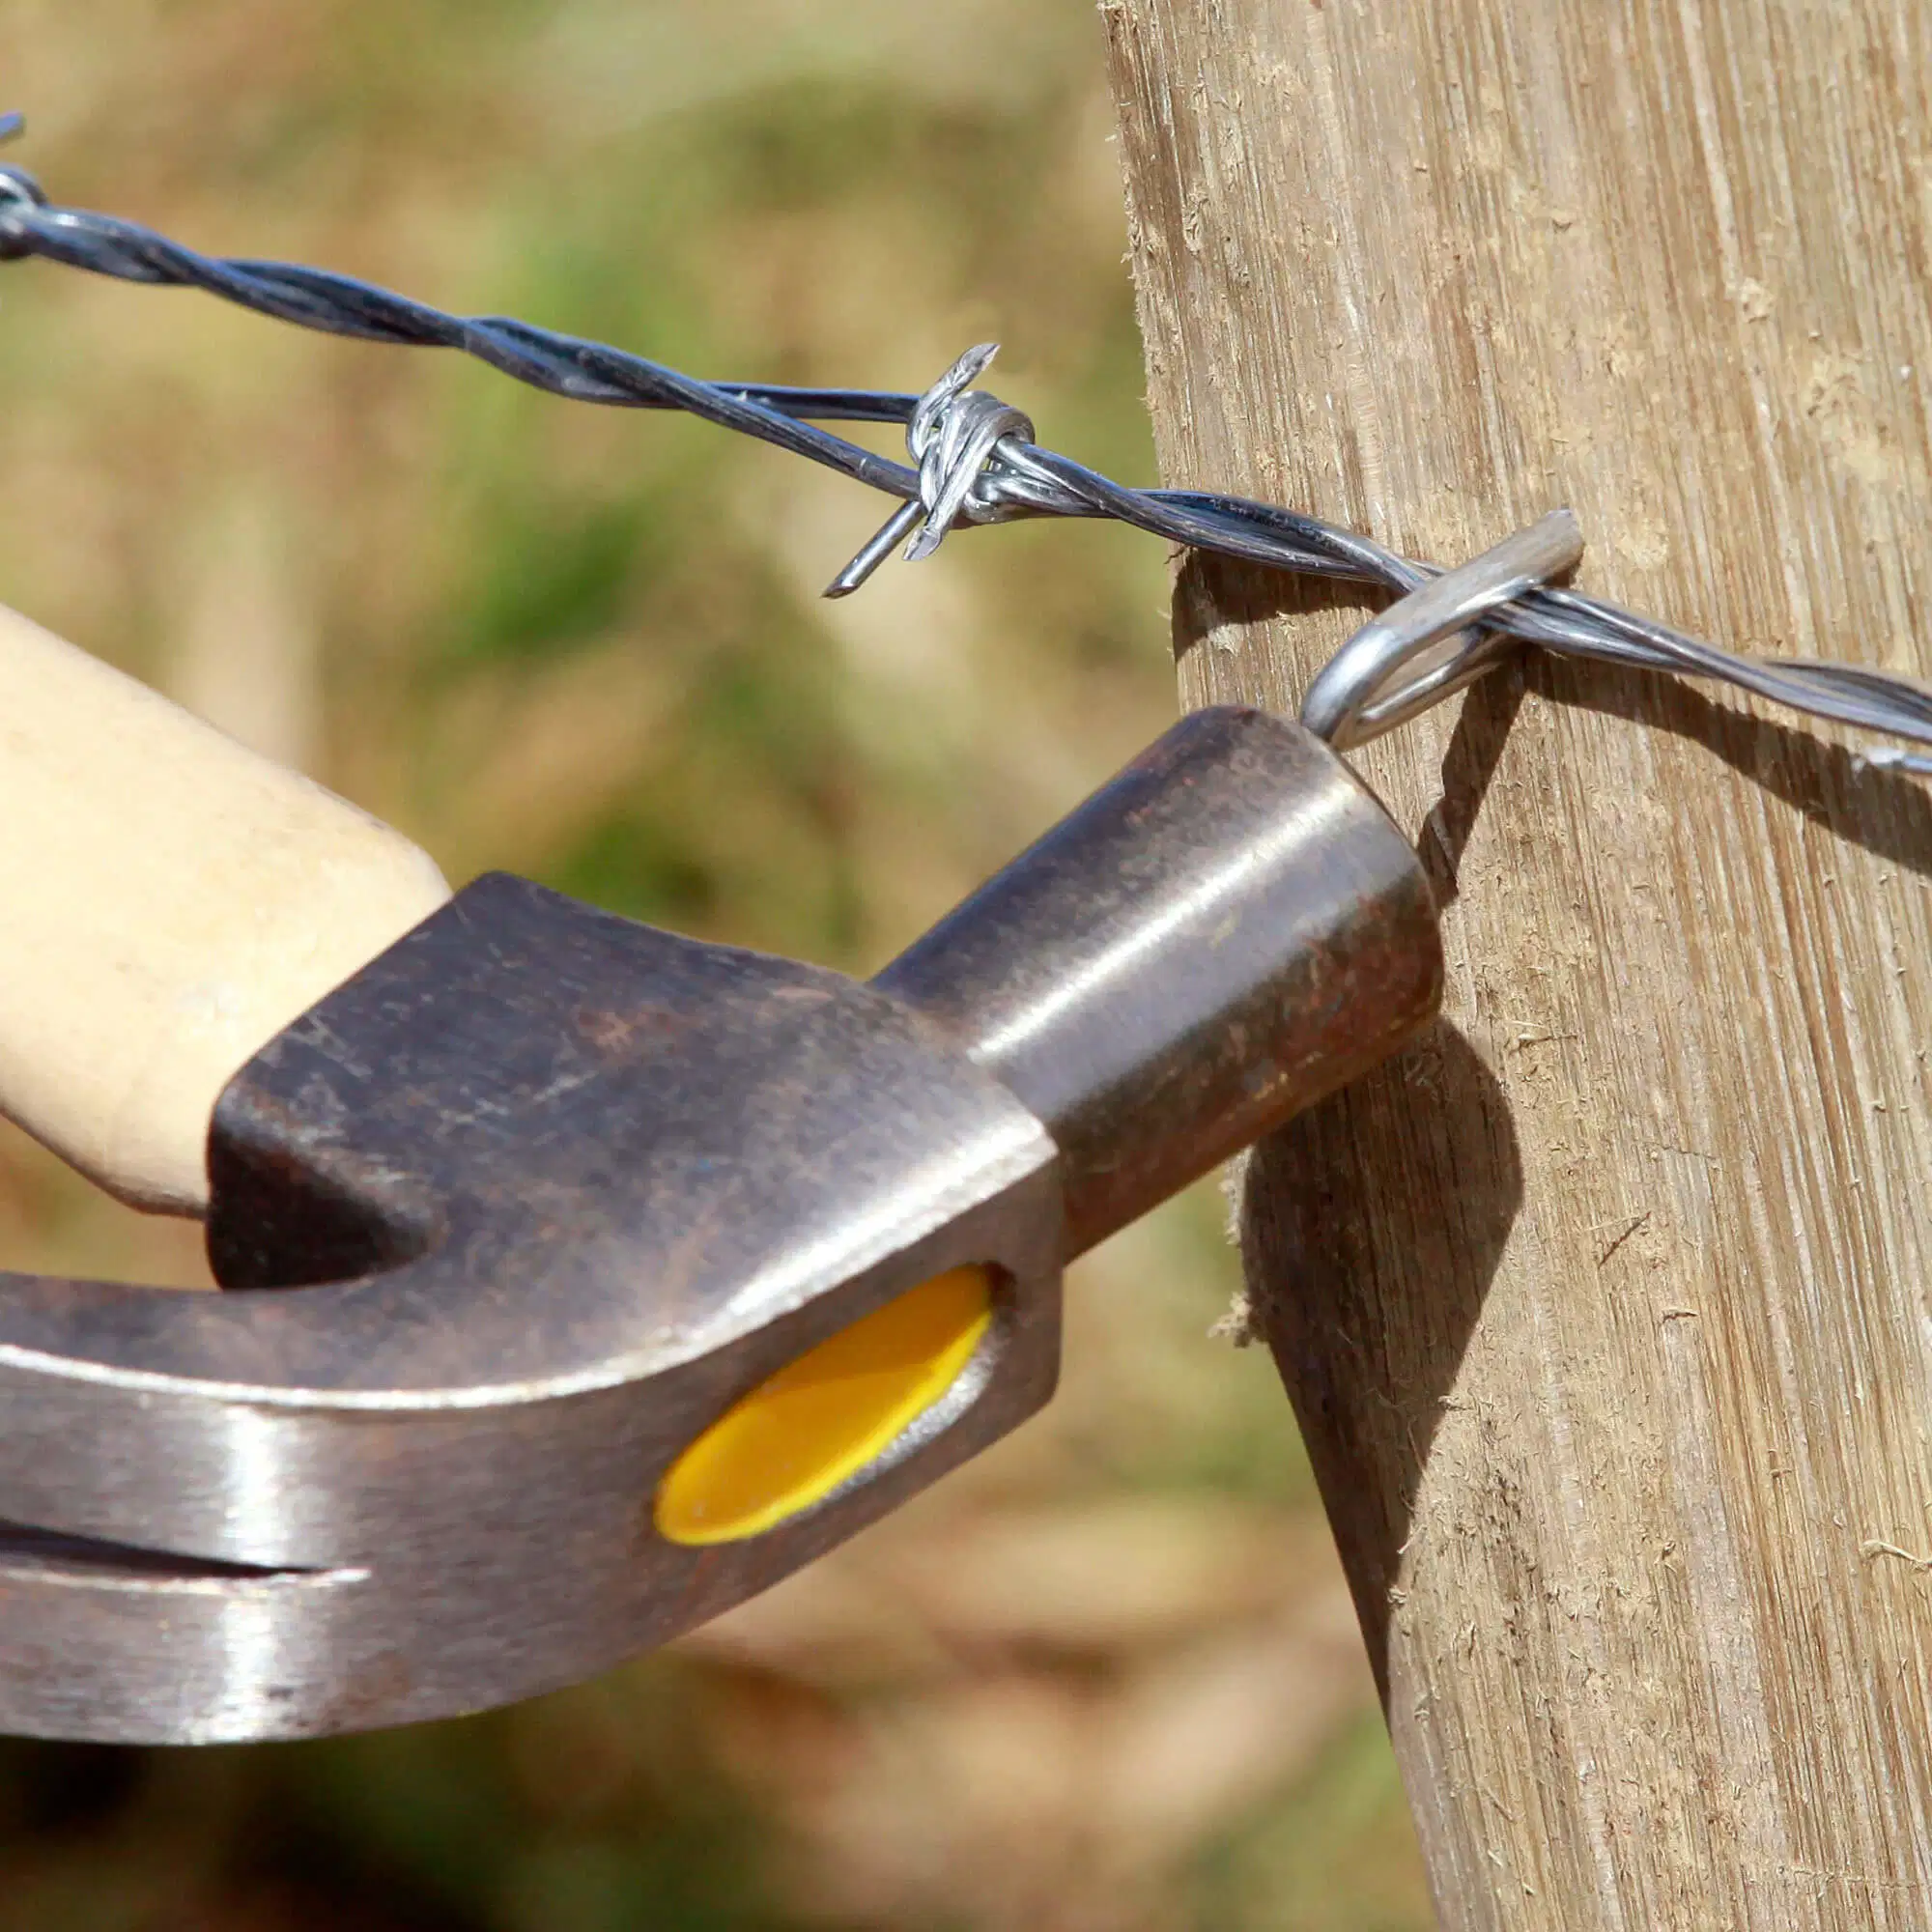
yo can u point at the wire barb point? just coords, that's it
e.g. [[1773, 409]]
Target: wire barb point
[[953, 434], [12, 127]]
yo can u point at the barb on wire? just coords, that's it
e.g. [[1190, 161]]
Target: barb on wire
[[974, 459], [953, 434]]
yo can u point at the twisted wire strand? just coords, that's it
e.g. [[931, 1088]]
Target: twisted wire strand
[[974, 460]]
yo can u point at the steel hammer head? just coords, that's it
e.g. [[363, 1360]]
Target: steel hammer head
[[592, 1278]]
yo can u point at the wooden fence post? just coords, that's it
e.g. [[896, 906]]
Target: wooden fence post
[[1606, 1315]]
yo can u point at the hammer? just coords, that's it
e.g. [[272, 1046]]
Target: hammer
[[587, 1278]]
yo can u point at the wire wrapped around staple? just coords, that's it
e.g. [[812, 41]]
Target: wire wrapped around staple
[[975, 459]]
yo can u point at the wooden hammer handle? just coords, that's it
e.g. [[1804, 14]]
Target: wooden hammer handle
[[169, 902]]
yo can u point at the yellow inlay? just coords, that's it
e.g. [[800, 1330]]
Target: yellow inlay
[[822, 1419]]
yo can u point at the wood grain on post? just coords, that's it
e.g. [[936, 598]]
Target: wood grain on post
[[1606, 1315]]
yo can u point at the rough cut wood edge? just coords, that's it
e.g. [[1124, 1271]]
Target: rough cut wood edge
[[1606, 1316]]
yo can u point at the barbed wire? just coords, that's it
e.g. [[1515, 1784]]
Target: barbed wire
[[974, 459]]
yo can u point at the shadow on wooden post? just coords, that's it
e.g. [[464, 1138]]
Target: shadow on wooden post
[[1342, 1211], [1342, 1216]]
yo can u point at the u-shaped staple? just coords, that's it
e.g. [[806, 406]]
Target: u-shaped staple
[[1426, 646]]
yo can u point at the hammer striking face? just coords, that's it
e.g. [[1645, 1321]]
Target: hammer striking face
[[590, 1279]]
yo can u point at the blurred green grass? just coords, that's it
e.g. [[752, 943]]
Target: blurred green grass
[[1108, 1676]]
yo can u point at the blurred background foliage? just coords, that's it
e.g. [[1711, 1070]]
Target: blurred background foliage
[[1108, 1677]]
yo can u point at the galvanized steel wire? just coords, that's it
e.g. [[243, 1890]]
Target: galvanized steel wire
[[974, 459]]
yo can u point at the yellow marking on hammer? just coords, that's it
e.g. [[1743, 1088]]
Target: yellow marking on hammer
[[824, 1417]]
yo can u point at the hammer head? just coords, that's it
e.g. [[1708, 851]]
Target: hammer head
[[590, 1279]]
